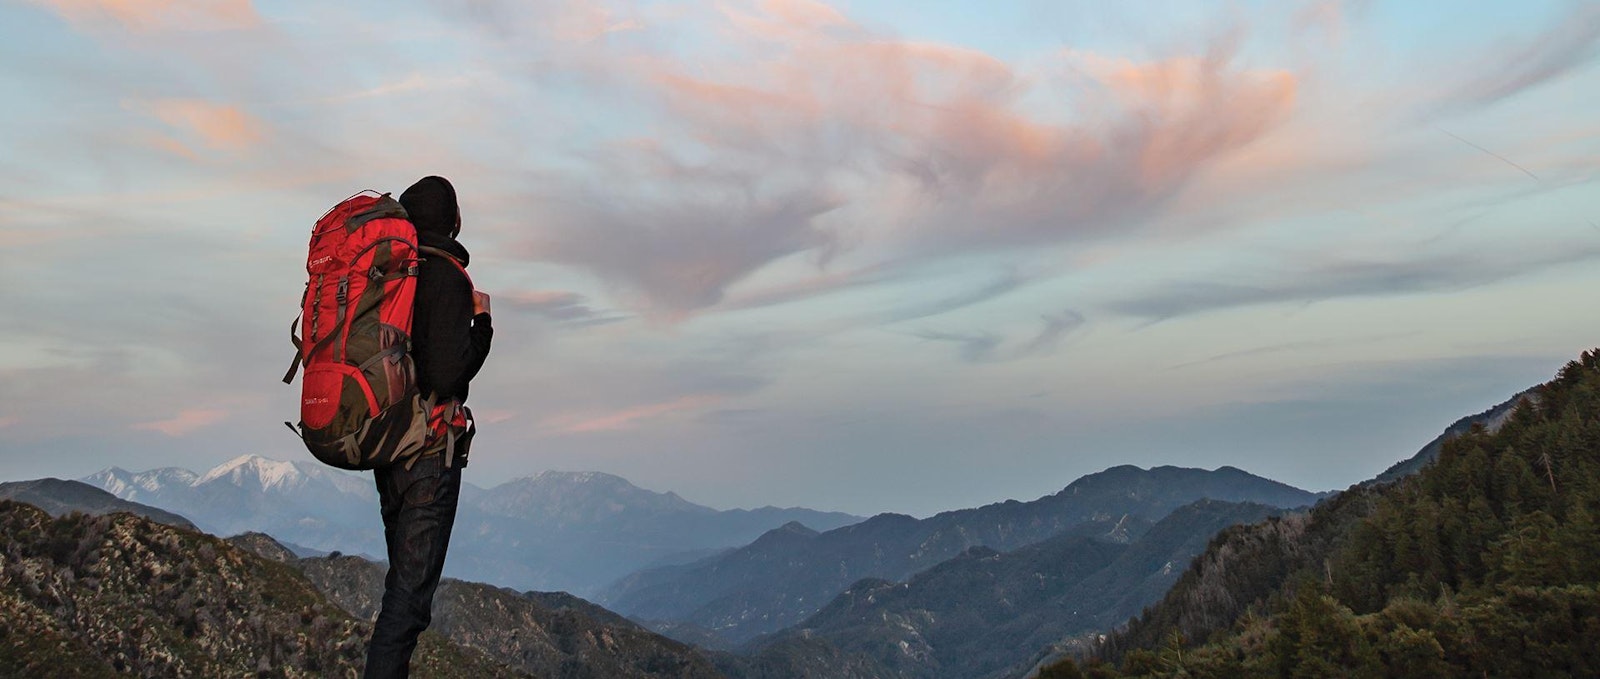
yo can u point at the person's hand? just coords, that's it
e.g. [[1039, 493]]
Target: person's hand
[[480, 302]]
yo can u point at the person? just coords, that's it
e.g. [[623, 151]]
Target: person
[[451, 334]]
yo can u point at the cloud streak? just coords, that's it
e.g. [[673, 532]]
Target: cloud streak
[[988, 347], [672, 258], [185, 421], [1315, 283], [156, 15], [562, 306], [627, 418], [1508, 69], [217, 127]]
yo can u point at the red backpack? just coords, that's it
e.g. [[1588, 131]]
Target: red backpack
[[360, 407]]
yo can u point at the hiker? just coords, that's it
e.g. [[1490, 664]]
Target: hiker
[[451, 333]]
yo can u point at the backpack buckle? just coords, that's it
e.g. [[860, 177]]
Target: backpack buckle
[[342, 295]]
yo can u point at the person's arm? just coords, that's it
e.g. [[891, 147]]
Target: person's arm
[[457, 341], [481, 335]]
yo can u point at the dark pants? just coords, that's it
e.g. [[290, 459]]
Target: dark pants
[[419, 508]]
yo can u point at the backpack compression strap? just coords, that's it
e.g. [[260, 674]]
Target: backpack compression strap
[[342, 295]]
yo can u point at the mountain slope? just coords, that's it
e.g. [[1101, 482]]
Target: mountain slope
[[60, 497], [1485, 563], [548, 635], [787, 574], [1491, 420], [100, 596]]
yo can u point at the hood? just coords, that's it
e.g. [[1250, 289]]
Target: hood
[[431, 205]]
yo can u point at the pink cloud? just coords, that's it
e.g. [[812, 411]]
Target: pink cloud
[[492, 416], [825, 135], [184, 422], [545, 297], [157, 15], [7, 421], [219, 127], [627, 418]]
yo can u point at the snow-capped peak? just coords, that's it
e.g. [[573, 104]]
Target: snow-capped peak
[[143, 485], [265, 472]]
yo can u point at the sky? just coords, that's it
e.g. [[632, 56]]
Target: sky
[[863, 256]]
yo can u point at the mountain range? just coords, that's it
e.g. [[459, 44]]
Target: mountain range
[[791, 572], [306, 505], [999, 591], [987, 614], [568, 531]]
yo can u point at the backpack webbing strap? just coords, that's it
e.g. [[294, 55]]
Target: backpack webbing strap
[[338, 324], [294, 337], [449, 442], [342, 295], [450, 432], [391, 351], [294, 365]]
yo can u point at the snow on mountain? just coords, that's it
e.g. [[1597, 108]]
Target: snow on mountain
[[142, 486], [556, 530], [258, 473], [299, 501], [255, 470]]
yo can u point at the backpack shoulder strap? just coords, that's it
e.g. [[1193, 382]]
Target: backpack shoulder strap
[[433, 251]]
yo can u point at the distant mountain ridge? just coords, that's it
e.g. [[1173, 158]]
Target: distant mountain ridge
[[300, 502], [788, 574], [60, 497], [989, 614], [572, 531]]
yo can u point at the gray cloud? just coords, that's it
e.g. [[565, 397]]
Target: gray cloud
[[680, 256], [975, 348], [987, 347], [1314, 283], [562, 306], [1005, 283], [1286, 347], [1056, 327], [818, 286], [1510, 69]]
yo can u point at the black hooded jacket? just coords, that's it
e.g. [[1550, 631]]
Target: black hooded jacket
[[448, 342]]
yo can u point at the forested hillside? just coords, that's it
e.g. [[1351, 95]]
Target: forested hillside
[[1486, 563]]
